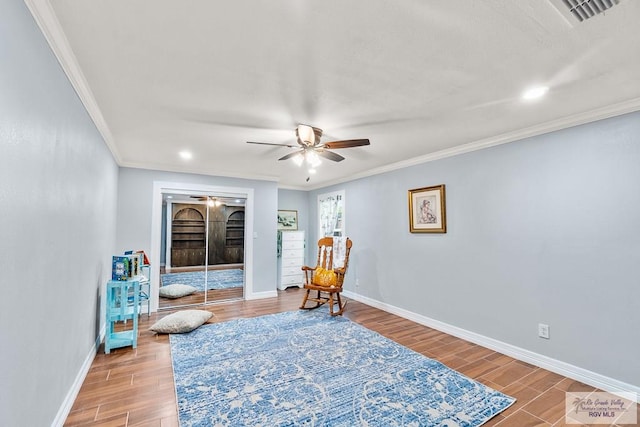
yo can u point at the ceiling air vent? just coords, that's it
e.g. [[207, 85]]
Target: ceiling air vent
[[582, 10]]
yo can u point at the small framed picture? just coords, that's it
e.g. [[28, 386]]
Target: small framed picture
[[287, 220], [427, 210]]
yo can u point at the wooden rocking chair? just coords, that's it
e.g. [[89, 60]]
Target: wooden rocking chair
[[329, 291]]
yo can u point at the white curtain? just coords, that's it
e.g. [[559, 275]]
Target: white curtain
[[330, 209], [339, 251]]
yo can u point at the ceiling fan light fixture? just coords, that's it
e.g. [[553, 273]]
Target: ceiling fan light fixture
[[298, 159], [212, 201], [306, 134], [313, 159]]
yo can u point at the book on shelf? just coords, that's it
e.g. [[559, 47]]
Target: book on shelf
[[145, 259], [120, 268], [129, 266], [136, 264]]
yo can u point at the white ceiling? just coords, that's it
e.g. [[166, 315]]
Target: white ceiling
[[420, 79]]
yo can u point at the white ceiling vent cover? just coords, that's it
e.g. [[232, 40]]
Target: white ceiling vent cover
[[582, 10]]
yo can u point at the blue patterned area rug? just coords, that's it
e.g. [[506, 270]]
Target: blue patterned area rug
[[216, 279], [308, 368]]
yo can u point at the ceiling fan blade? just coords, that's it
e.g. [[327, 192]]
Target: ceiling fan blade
[[347, 143], [290, 155], [330, 155], [270, 143]]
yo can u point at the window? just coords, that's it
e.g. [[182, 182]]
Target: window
[[331, 218]]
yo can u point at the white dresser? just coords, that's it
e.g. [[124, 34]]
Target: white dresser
[[291, 259]]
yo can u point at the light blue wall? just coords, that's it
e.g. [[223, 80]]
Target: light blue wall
[[540, 230], [297, 201], [135, 199], [57, 223]]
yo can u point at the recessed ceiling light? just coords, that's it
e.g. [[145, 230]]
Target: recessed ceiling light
[[534, 92], [186, 155]]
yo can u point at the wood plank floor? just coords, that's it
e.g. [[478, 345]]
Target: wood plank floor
[[134, 387]]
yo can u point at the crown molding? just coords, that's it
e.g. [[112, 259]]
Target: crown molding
[[198, 171], [47, 21], [293, 187], [609, 111]]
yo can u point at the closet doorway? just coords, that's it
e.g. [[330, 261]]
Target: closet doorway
[[199, 245]]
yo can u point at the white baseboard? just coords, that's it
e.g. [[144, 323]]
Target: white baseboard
[[70, 398], [261, 295], [577, 373]]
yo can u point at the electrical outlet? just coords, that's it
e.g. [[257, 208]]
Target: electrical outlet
[[357, 283], [543, 330]]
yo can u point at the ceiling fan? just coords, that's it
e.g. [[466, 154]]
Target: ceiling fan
[[308, 138], [211, 201]]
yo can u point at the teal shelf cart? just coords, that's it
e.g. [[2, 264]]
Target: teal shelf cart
[[123, 304]]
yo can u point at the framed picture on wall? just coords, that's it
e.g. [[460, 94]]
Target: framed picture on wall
[[427, 210], [287, 220]]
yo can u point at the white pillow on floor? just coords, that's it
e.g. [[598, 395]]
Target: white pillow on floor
[[181, 321], [176, 290]]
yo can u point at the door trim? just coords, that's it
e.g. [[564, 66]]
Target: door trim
[[160, 187]]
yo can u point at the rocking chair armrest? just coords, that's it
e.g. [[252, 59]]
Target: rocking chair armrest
[[340, 272], [308, 274]]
